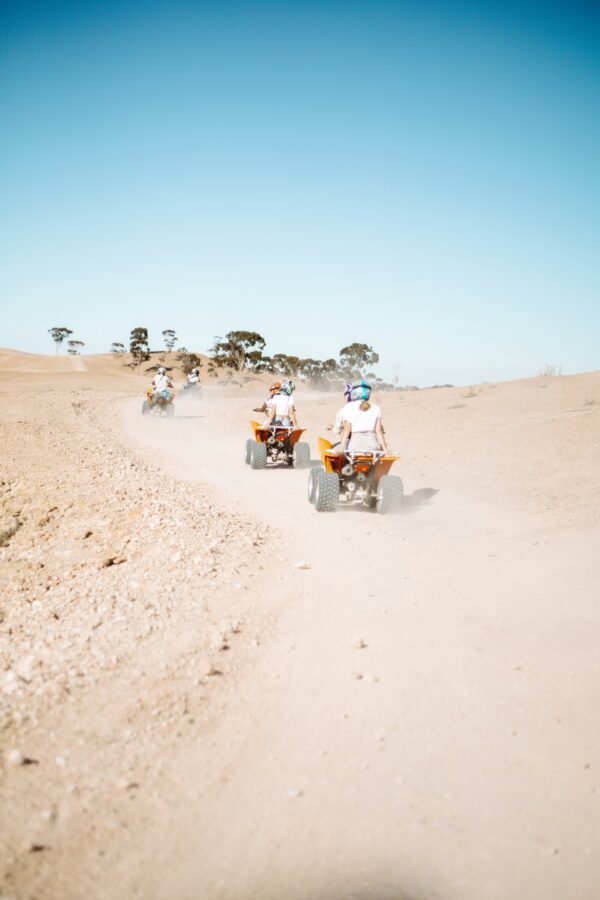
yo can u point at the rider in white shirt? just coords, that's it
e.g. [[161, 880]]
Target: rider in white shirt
[[362, 425], [283, 409], [161, 381], [194, 377]]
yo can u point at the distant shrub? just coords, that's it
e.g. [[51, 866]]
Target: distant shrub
[[188, 361]]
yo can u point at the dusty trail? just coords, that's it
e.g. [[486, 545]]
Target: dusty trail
[[453, 756], [412, 715]]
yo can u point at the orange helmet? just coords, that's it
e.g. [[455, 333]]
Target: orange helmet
[[275, 388]]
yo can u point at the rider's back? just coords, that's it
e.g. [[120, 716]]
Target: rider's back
[[362, 417], [283, 405]]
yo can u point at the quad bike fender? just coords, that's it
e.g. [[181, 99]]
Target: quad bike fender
[[256, 430], [296, 435], [329, 457], [383, 466], [323, 446]]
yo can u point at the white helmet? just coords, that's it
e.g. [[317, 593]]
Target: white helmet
[[161, 370]]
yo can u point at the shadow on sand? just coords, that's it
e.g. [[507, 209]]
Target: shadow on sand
[[419, 498], [384, 890]]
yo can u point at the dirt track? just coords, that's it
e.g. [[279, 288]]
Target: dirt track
[[220, 733]]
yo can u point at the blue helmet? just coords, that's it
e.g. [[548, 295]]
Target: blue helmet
[[360, 391]]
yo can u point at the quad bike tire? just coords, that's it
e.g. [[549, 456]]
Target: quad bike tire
[[249, 445], [146, 408], [301, 455], [327, 491], [312, 482], [390, 494], [258, 456]]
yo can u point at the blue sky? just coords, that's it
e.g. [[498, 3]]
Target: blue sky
[[420, 176]]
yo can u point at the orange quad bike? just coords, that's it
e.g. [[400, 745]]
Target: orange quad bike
[[274, 444], [160, 404], [354, 478]]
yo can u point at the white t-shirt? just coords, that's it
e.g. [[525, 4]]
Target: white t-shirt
[[361, 420], [283, 405], [161, 382], [193, 379]]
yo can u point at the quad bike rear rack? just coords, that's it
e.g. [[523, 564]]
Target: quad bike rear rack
[[265, 433], [274, 444], [334, 460]]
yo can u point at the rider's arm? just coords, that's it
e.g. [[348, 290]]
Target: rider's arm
[[381, 435], [293, 418], [262, 408], [337, 425], [346, 430]]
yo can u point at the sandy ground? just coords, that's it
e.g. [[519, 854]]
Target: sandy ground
[[209, 690]]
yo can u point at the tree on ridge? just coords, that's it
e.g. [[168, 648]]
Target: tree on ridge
[[355, 359], [188, 361], [59, 335], [138, 345], [170, 339], [238, 350]]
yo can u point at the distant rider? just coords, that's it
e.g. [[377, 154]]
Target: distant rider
[[362, 425], [194, 377], [162, 384], [283, 409]]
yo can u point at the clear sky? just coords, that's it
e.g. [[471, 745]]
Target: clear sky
[[421, 176]]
